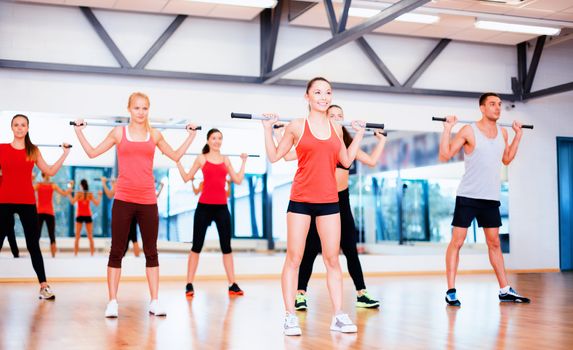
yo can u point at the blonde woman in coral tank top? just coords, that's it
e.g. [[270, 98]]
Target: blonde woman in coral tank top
[[319, 147], [134, 192]]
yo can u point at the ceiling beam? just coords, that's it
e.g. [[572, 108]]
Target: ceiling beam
[[534, 64], [377, 62], [385, 16], [132, 72], [104, 36], [158, 44], [550, 91], [427, 62]]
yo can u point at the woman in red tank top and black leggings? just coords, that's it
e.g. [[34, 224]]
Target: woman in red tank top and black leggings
[[84, 214], [17, 160], [45, 205], [212, 206], [319, 148], [134, 192]]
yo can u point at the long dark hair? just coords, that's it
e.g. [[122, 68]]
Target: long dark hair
[[345, 134], [31, 149], [85, 187], [206, 149]]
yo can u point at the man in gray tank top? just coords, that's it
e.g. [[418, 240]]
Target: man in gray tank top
[[485, 147]]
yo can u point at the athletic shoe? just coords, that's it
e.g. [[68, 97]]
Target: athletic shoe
[[189, 292], [111, 309], [366, 301], [291, 325], [451, 298], [46, 294], [235, 290], [300, 302], [342, 323], [513, 296], [156, 309]]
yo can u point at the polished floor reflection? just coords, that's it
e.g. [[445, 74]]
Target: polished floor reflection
[[413, 316]]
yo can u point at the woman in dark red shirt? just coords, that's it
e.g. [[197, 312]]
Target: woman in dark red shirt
[[17, 159]]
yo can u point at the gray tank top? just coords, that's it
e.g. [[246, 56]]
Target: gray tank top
[[482, 179]]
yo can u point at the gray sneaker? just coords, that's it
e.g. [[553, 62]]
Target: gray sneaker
[[291, 325], [46, 294]]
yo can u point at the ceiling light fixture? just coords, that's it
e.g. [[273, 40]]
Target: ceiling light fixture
[[245, 3], [407, 17], [516, 28]]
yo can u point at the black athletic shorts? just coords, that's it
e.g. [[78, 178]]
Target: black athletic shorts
[[313, 209], [86, 219], [484, 210]]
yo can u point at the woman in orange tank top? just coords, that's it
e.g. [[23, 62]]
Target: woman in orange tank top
[[45, 191], [134, 192], [212, 206], [319, 146], [84, 214]]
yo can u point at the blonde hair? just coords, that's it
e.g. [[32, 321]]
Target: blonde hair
[[135, 95]]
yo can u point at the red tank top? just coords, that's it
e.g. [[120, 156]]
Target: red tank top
[[84, 206], [315, 181], [16, 186], [214, 179], [45, 194], [135, 182]]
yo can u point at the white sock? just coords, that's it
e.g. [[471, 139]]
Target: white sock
[[504, 290]]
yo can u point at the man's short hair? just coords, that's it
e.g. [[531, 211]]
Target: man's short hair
[[484, 97]]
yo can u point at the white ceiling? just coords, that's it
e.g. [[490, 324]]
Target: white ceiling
[[456, 16]]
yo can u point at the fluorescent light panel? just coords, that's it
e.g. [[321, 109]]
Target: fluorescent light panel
[[516, 28], [246, 3], [407, 17]]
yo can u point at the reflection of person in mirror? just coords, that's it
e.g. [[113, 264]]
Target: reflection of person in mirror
[[486, 148], [45, 192], [84, 214]]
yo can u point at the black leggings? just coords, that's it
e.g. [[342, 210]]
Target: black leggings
[[50, 221], [11, 238], [29, 219], [204, 215], [132, 234], [348, 237]]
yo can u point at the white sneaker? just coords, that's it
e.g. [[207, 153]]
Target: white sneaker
[[291, 325], [342, 323], [111, 309], [46, 293], [156, 309]]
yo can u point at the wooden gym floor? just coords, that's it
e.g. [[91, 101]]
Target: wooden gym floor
[[413, 316]]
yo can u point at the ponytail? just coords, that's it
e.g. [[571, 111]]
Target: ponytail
[[346, 137], [205, 149], [85, 187]]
